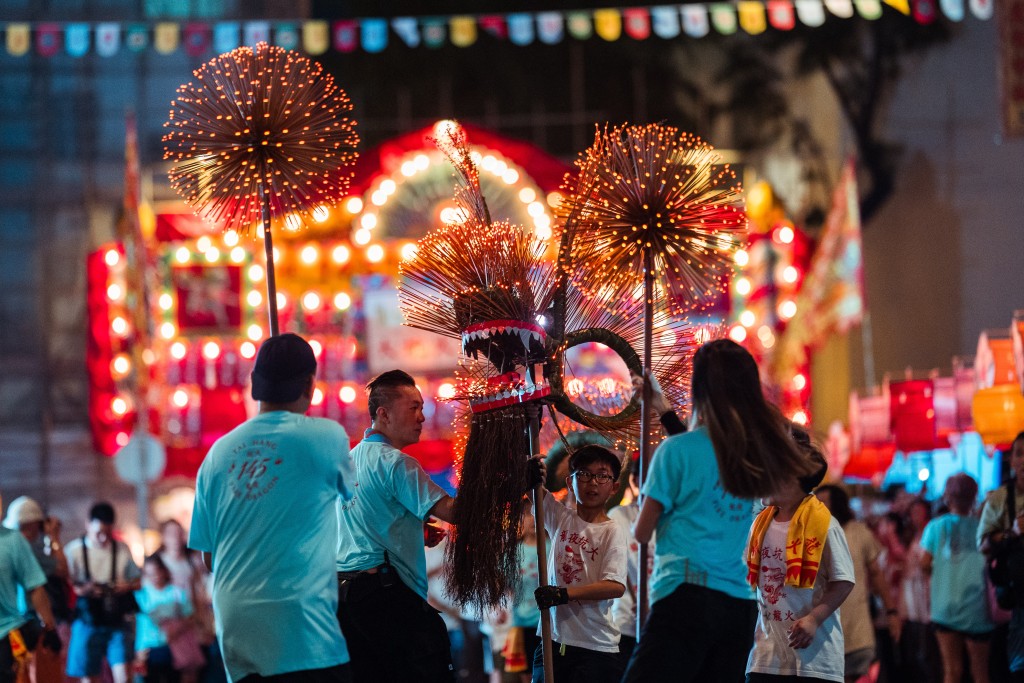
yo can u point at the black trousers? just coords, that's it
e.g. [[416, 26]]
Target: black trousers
[[694, 634], [332, 674], [578, 665], [6, 661], [392, 633]]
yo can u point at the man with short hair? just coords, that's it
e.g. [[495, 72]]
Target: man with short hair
[[392, 632], [19, 569], [265, 521], [103, 574]]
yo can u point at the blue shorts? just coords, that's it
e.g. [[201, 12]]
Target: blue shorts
[[89, 644]]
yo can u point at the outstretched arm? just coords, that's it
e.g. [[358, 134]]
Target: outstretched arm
[[650, 513]]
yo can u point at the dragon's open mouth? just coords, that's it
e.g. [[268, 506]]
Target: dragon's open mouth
[[504, 390], [514, 339]]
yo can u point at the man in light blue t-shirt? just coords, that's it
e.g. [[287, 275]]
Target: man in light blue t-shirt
[[391, 631], [265, 520]]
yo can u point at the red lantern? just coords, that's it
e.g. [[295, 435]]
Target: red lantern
[[912, 411]]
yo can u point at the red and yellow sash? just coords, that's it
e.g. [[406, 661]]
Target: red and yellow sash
[[805, 542]]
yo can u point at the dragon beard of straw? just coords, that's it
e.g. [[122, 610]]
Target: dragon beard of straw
[[483, 548]]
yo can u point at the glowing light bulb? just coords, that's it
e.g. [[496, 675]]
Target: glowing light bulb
[[119, 406], [543, 232], [510, 176], [354, 205], [165, 301], [388, 186], [178, 350], [342, 301], [535, 209], [787, 309], [738, 333], [340, 254], [256, 272], [277, 255], [554, 199], [747, 318], [422, 162], [741, 257], [668, 337], [799, 382], [743, 286], [168, 330], [362, 236], [182, 255], [527, 195], [212, 255], [368, 221], [375, 253], [799, 417], [255, 332], [237, 255], [211, 350], [311, 301], [321, 213], [230, 238], [790, 274], [114, 292], [180, 398], [203, 243], [292, 222], [317, 347], [379, 198], [318, 396], [111, 258], [247, 349], [254, 298], [408, 169], [409, 251], [309, 254], [282, 300], [784, 235], [121, 365], [446, 390], [347, 394], [119, 326]]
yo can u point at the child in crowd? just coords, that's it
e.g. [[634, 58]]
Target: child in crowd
[[798, 561], [624, 610], [165, 638], [587, 564]]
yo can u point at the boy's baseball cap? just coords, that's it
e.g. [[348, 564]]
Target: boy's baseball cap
[[282, 369], [23, 510]]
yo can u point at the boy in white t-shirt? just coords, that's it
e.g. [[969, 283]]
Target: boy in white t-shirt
[[798, 560], [587, 564]]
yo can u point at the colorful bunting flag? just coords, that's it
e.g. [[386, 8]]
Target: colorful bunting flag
[[520, 28], [695, 21], [345, 39], [197, 38], [723, 18], [841, 8], [76, 39], [108, 38], [463, 31], [953, 9], [286, 36], [982, 9], [225, 36], [924, 11], [608, 24], [901, 6], [495, 25], [637, 21], [375, 34], [255, 32], [407, 29], [665, 22], [550, 27], [810, 12], [136, 37], [869, 9], [48, 40], [165, 37], [781, 15], [580, 26], [434, 33], [752, 16], [316, 37], [19, 39]]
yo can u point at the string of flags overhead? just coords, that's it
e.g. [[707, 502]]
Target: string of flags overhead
[[373, 35]]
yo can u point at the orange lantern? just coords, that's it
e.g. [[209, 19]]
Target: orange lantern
[[998, 413], [994, 363]]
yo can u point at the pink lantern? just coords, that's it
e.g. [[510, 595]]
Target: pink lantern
[[869, 420], [994, 363]]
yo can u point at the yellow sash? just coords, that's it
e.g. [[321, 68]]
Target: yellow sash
[[805, 542]]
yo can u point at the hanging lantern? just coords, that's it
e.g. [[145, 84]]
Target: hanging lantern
[[998, 413], [994, 363], [912, 411], [964, 377], [869, 420], [1017, 334], [946, 407]]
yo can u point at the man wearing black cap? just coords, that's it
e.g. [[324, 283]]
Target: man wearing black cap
[[265, 521]]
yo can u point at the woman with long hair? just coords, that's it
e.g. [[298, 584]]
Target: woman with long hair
[[698, 496]]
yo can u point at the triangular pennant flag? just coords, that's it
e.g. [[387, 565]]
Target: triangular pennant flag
[[981, 9], [953, 9], [345, 39], [495, 25], [408, 29], [901, 6], [108, 39], [434, 33], [924, 11], [550, 27], [869, 9], [608, 23], [695, 21], [316, 37], [665, 21], [637, 21], [781, 15], [76, 39], [375, 34], [287, 36], [48, 40], [841, 8], [225, 36], [19, 39], [255, 32], [462, 30], [723, 18], [136, 37], [752, 17], [197, 38], [811, 12], [579, 25], [165, 37]]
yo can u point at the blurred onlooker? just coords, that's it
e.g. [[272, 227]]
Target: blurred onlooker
[[855, 615], [890, 533], [165, 643], [43, 536], [105, 577], [918, 648], [959, 601]]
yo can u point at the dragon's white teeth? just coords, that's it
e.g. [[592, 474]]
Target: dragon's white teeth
[[524, 336]]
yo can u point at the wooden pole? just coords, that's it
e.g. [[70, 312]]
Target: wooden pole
[[268, 247], [645, 436], [542, 553]]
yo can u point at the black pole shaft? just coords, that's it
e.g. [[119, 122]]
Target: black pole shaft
[[645, 434], [268, 247]]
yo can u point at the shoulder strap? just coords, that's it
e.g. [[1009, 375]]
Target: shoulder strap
[[113, 561], [85, 560], [1011, 502]]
